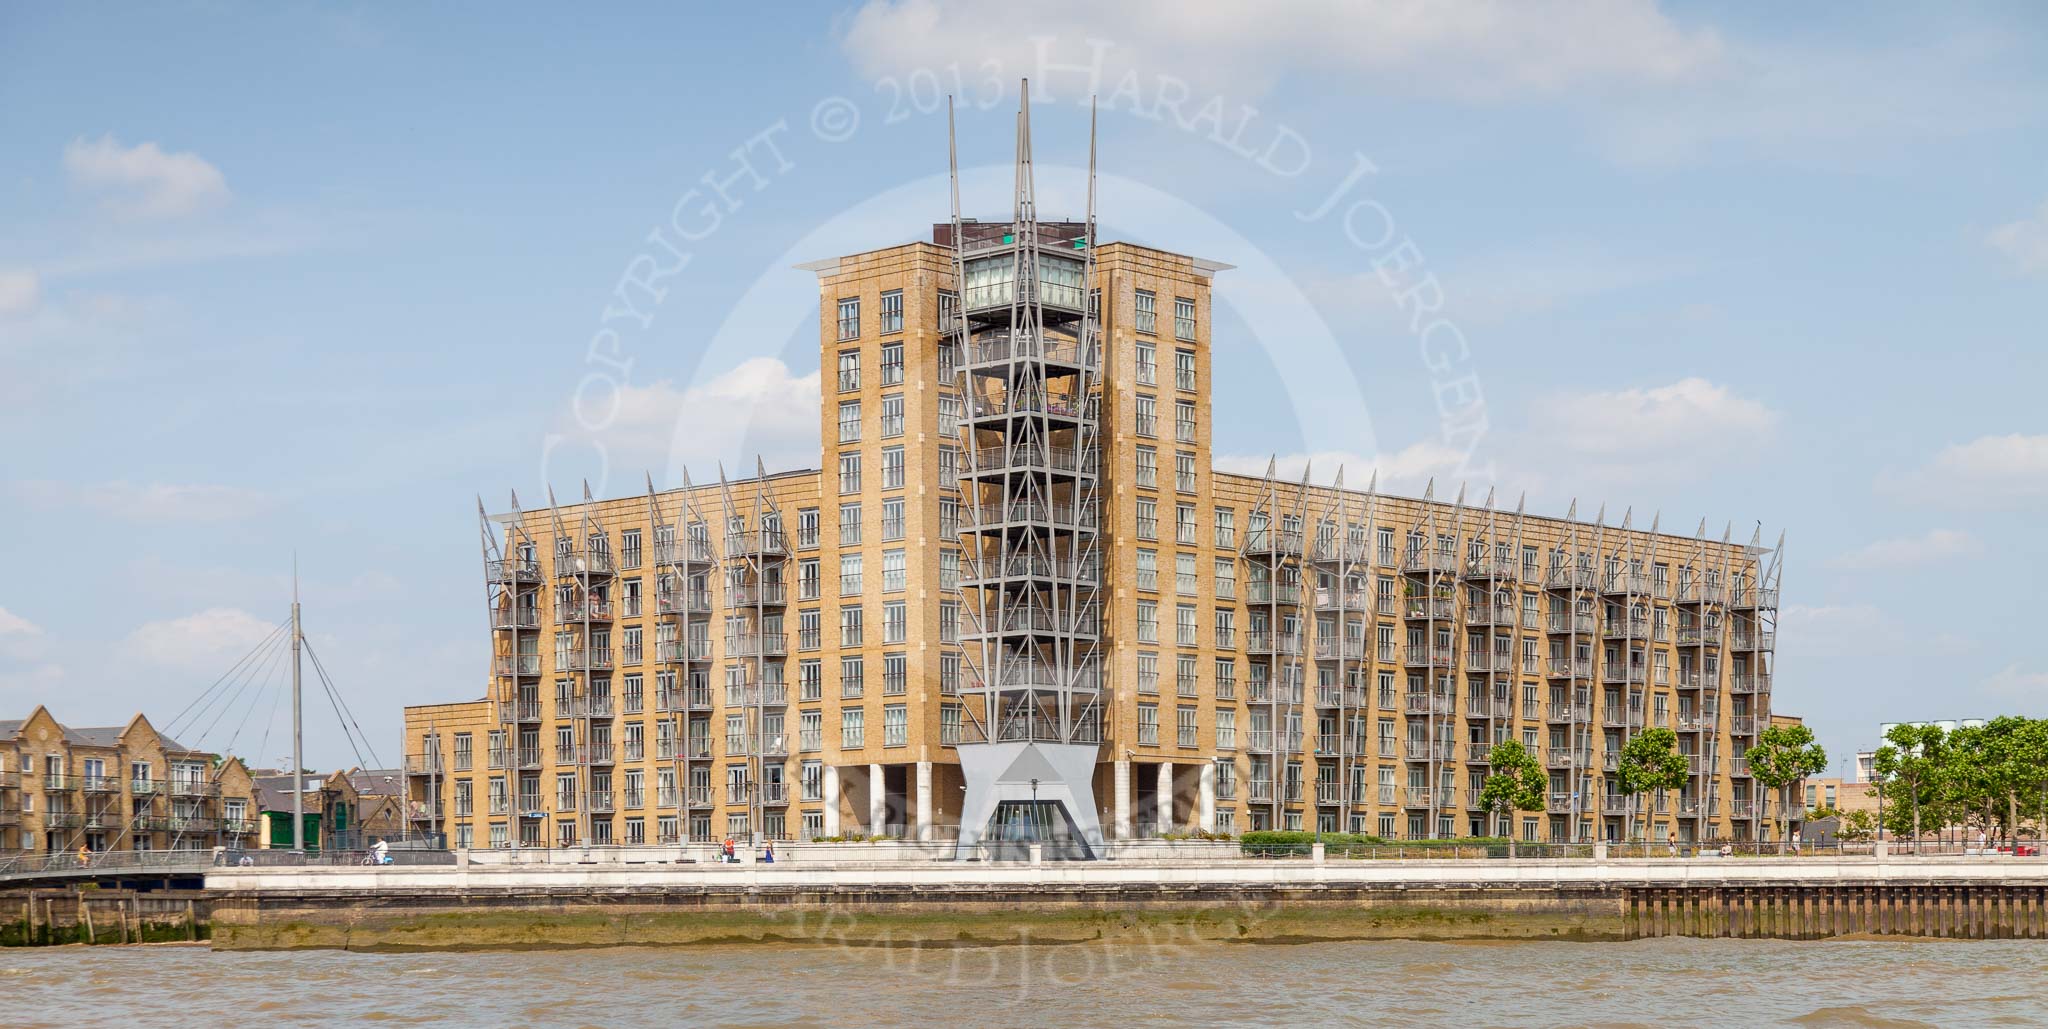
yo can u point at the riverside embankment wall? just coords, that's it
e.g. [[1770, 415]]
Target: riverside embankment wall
[[942, 904]]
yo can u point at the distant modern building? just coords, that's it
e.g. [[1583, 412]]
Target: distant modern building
[[1019, 599], [115, 788]]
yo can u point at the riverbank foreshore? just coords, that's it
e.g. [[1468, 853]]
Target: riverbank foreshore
[[484, 906]]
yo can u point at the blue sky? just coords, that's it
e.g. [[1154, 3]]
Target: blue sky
[[308, 279]]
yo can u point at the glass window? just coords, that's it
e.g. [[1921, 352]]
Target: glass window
[[1184, 523], [849, 421], [807, 528], [1226, 527], [1183, 318], [892, 415], [895, 726], [1184, 421], [852, 677], [1148, 570], [1184, 369], [1148, 518], [852, 729], [1148, 365], [849, 472], [1148, 468], [849, 318], [1184, 472], [895, 622], [1147, 311], [892, 322], [849, 575], [851, 632], [849, 371], [1145, 420], [894, 574], [892, 467], [892, 518]]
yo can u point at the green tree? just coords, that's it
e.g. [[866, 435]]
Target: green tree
[[1783, 755], [1649, 761], [1857, 826], [1910, 760], [1515, 782], [2017, 750]]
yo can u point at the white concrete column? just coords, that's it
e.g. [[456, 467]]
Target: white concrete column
[[1122, 782], [1165, 796], [831, 800], [878, 798], [1205, 798], [924, 800]]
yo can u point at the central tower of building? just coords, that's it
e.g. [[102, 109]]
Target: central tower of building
[[1029, 359]]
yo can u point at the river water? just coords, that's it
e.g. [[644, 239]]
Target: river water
[[1661, 983]]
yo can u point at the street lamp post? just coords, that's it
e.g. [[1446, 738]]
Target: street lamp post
[[1034, 811]]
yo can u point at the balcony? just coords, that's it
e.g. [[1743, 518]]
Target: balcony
[[1579, 624], [1084, 570], [1751, 639], [675, 652], [1002, 346], [755, 594], [1276, 644], [137, 788], [238, 826], [1738, 767], [1742, 810], [512, 570], [1340, 697], [1619, 673], [1286, 594], [1691, 680], [1622, 718], [1493, 568], [1431, 704], [1570, 713], [193, 824], [1696, 723], [1330, 648], [1485, 707], [1030, 512], [1259, 791], [100, 784], [1267, 741], [1625, 583], [1478, 754], [1751, 683], [63, 819], [1260, 691], [686, 551], [524, 666], [519, 711], [1330, 793], [1568, 577], [1571, 668], [9, 815], [584, 754], [1698, 594], [1754, 598], [429, 764], [774, 794], [1429, 609], [679, 602], [1332, 551], [584, 610], [1423, 750], [698, 748], [520, 617], [1352, 601], [1439, 657], [757, 644], [1423, 797], [1032, 456], [1425, 561], [1559, 803], [1699, 634], [584, 659], [1743, 725], [598, 803], [1277, 543], [1617, 804], [577, 564], [194, 788], [774, 694], [1491, 614], [1626, 628], [758, 543], [591, 706], [1488, 661]]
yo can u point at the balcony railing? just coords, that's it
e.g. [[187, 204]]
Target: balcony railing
[[1356, 601], [1493, 568], [1024, 456], [1431, 704], [1625, 582], [100, 784], [1754, 640], [523, 665], [675, 602], [1426, 561], [1743, 725], [1752, 683], [675, 652], [1617, 672], [584, 610], [1568, 577], [1085, 569], [1630, 718], [1333, 551], [1490, 614], [1423, 750], [194, 788], [576, 563], [424, 764], [774, 694], [1564, 624], [585, 659], [517, 569], [1340, 648], [515, 617], [1753, 597], [1274, 542], [1277, 644], [1430, 656], [1617, 804], [755, 594], [684, 551], [768, 543], [1267, 592], [1425, 608], [1571, 712], [1571, 668], [519, 710], [1627, 628]]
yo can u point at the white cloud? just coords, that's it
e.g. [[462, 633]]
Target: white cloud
[[158, 501], [1470, 49], [1657, 422], [211, 640], [12, 624], [1405, 471], [2024, 242], [21, 290], [1934, 545], [2012, 685], [1994, 470], [759, 407], [143, 181]]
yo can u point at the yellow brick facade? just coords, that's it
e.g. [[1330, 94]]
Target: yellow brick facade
[[861, 731]]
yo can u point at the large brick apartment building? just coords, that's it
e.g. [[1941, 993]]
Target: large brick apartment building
[[1016, 538]]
